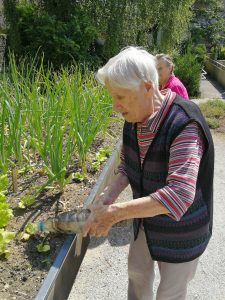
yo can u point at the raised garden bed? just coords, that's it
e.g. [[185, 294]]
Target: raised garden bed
[[24, 271]]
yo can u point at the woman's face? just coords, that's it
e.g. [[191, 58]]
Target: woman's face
[[164, 71], [134, 105]]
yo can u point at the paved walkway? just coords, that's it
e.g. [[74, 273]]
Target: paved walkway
[[210, 88]]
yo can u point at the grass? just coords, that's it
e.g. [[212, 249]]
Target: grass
[[214, 112]]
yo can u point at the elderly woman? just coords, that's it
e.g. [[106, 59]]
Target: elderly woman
[[168, 159], [167, 79]]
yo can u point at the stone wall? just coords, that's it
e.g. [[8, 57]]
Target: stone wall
[[216, 69]]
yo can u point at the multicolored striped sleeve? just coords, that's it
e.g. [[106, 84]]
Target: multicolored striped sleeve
[[185, 156], [121, 167]]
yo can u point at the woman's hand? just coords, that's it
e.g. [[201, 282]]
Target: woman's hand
[[101, 219]]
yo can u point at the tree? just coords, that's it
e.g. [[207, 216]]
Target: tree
[[174, 21], [208, 24], [83, 29]]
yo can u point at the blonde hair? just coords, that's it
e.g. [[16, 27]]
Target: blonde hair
[[128, 68]]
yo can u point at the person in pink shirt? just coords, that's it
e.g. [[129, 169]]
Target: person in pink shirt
[[167, 79]]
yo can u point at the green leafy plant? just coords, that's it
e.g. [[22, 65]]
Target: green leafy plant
[[5, 238], [79, 176], [91, 111], [95, 166], [106, 150], [100, 157], [26, 201], [2, 197], [4, 182], [31, 228], [5, 215], [188, 70], [103, 153], [43, 247], [23, 236], [5, 212], [200, 52]]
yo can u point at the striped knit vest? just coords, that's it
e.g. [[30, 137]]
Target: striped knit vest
[[169, 240]]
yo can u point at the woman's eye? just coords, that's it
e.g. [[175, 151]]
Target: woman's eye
[[120, 97]]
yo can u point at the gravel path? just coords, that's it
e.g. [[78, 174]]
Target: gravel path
[[103, 274]]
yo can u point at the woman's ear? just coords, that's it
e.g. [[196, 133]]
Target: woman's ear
[[148, 85]]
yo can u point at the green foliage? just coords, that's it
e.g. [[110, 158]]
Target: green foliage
[[5, 213], [188, 70], [200, 52], [213, 123], [213, 108], [95, 166], [62, 41], [174, 22], [23, 236], [56, 115], [43, 247], [12, 121], [222, 53], [26, 201], [95, 30], [31, 228], [105, 151], [5, 238], [213, 111], [100, 157], [4, 183], [208, 23], [2, 197], [79, 176], [11, 18]]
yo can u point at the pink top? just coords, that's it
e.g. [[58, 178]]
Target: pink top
[[176, 86]]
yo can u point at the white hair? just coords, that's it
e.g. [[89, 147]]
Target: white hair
[[129, 68]]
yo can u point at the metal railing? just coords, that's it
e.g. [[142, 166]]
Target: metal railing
[[216, 63]]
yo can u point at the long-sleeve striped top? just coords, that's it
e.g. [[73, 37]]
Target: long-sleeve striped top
[[184, 160]]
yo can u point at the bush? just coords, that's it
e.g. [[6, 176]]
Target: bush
[[213, 123], [213, 108], [222, 53], [188, 69], [200, 52], [214, 112], [61, 41]]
